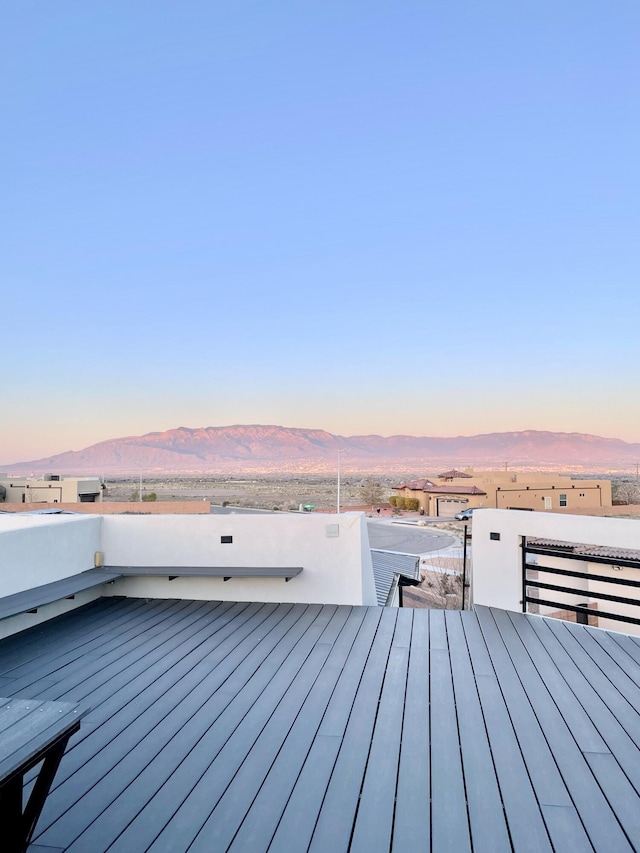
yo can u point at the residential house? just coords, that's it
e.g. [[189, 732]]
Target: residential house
[[448, 493], [52, 488]]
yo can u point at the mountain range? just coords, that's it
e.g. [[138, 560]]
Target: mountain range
[[258, 449]]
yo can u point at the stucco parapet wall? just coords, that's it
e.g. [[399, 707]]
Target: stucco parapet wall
[[497, 555], [119, 507], [333, 552], [623, 511]]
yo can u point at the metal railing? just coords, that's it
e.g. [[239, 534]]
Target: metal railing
[[566, 554]]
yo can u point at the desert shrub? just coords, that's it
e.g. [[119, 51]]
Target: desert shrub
[[152, 496], [393, 500], [371, 492], [411, 503], [401, 503]]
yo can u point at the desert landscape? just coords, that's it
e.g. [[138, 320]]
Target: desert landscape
[[282, 493]]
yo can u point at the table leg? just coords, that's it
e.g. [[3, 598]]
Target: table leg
[[11, 815], [17, 827], [41, 788]]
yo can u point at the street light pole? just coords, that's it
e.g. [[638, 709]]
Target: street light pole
[[140, 481], [338, 507]]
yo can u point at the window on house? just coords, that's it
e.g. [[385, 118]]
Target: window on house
[[563, 500]]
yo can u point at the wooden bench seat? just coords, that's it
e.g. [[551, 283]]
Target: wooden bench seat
[[225, 572], [29, 600]]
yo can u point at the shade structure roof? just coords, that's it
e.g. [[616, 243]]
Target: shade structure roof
[[287, 727]]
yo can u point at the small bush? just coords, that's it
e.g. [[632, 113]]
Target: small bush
[[411, 503], [401, 502], [393, 500]]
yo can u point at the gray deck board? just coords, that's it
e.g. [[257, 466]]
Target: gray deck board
[[589, 800], [19, 648], [86, 641], [603, 682], [288, 681], [449, 816], [335, 821], [72, 665], [488, 824], [629, 644], [151, 757], [374, 822], [282, 727], [299, 817], [122, 720], [547, 780], [278, 751], [412, 823], [621, 654], [521, 806], [265, 812], [614, 736], [167, 782], [620, 675]]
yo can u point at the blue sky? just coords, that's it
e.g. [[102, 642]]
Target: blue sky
[[373, 217]]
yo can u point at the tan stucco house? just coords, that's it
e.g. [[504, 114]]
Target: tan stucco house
[[452, 491]]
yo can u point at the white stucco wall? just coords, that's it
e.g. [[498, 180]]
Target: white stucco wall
[[336, 568], [497, 565], [39, 549]]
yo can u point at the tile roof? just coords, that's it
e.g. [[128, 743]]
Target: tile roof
[[253, 727], [414, 484], [603, 551], [454, 490], [454, 473], [431, 488]]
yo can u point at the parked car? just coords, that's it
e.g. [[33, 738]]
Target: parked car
[[465, 515]]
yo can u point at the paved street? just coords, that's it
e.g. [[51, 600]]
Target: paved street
[[387, 536]]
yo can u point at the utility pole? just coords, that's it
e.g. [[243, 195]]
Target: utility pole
[[338, 506]]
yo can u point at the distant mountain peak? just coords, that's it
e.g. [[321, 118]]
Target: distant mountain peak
[[268, 448]]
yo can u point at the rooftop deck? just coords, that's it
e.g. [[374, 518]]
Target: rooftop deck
[[289, 727]]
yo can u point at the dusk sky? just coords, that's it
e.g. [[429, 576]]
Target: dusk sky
[[366, 217]]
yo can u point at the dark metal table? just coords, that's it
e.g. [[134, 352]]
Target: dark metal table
[[31, 731]]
